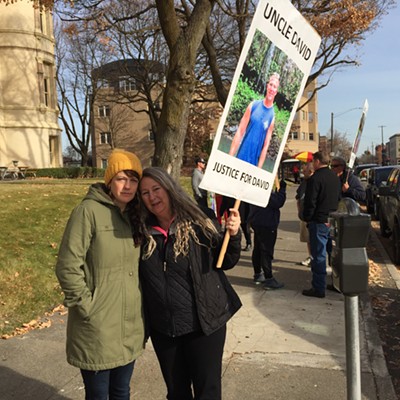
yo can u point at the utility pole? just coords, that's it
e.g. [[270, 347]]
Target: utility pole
[[332, 153], [382, 126]]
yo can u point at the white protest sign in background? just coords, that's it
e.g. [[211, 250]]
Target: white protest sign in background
[[357, 139], [280, 43]]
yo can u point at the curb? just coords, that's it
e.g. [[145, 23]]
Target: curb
[[383, 381]]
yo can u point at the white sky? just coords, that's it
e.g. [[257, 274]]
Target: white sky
[[377, 80]]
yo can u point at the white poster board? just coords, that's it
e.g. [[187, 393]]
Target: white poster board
[[357, 139], [280, 41]]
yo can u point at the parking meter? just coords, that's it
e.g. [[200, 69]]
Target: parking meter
[[349, 230]]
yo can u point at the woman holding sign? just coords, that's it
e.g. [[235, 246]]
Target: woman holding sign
[[253, 136], [187, 300]]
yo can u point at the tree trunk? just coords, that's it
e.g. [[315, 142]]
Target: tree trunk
[[183, 43], [173, 122]]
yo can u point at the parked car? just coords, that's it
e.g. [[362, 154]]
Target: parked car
[[358, 168], [376, 177], [389, 211]]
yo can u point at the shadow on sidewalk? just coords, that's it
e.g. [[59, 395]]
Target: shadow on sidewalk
[[15, 386]]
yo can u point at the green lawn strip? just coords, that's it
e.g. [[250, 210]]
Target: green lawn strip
[[33, 215]]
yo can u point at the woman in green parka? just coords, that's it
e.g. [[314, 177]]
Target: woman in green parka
[[97, 269]]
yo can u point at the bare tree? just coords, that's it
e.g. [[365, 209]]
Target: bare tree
[[77, 53], [341, 145], [198, 47]]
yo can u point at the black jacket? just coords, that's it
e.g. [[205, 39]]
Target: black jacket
[[356, 190], [322, 195], [190, 293], [269, 216]]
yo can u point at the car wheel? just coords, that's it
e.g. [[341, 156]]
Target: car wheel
[[384, 228], [396, 245]]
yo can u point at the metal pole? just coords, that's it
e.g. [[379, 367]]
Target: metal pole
[[382, 144], [352, 348], [332, 134]]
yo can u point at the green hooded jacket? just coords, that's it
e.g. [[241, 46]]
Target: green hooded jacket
[[97, 269]]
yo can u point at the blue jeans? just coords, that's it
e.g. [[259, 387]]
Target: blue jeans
[[108, 384], [319, 235]]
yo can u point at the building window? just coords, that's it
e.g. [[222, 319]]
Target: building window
[[103, 83], [48, 97], [310, 116], [295, 135], [150, 135], [311, 136], [104, 111], [103, 163], [43, 21], [304, 115], [46, 91], [303, 136], [126, 84], [105, 137]]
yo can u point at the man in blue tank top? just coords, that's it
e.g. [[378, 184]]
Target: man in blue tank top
[[252, 138]]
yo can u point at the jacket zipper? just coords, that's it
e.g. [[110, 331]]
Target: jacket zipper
[[167, 291]]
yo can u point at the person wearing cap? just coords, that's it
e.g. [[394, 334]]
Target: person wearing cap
[[97, 268], [350, 185], [200, 195], [187, 299]]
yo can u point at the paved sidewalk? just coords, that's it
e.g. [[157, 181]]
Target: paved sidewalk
[[280, 345]]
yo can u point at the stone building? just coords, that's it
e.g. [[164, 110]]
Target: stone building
[[29, 129], [120, 115], [303, 135]]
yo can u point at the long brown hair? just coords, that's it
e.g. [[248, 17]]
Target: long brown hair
[[187, 215]]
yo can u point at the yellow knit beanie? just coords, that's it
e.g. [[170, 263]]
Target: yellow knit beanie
[[121, 160]]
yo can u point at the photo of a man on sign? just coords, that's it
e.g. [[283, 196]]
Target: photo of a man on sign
[[252, 138], [261, 105]]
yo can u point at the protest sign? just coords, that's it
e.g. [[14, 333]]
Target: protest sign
[[268, 83], [357, 139]]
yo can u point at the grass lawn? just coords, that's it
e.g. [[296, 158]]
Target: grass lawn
[[33, 215]]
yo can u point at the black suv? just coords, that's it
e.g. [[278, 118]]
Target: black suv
[[377, 177], [389, 213]]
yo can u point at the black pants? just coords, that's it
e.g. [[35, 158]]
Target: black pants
[[246, 231], [191, 359], [202, 201], [263, 250]]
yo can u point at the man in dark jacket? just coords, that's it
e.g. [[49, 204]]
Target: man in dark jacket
[[265, 221], [350, 185], [322, 197]]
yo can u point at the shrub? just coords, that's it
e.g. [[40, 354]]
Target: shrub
[[70, 172]]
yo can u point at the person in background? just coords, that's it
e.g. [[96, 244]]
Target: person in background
[[265, 221], [351, 186], [200, 195], [296, 173], [307, 169], [97, 268], [252, 138], [321, 198], [187, 300]]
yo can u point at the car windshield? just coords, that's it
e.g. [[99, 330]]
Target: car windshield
[[382, 175]]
